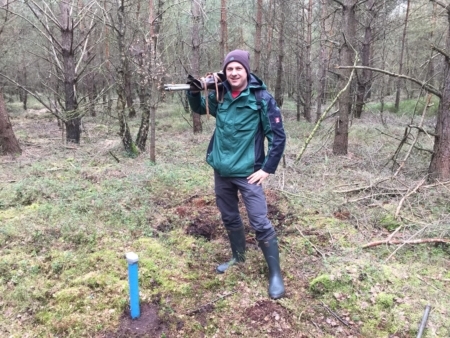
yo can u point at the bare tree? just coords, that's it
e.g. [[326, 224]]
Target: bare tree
[[123, 78], [64, 54]]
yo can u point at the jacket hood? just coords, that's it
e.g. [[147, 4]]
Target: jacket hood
[[256, 83]]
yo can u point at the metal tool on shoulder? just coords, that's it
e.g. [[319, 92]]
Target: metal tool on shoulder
[[211, 81]]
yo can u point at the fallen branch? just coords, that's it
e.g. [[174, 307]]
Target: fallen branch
[[366, 187], [114, 156], [399, 241], [335, 315], [397, 211]]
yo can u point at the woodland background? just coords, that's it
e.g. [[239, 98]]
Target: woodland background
[[98, 161]]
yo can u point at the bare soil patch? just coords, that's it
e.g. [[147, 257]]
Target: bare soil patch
[[147, 325]]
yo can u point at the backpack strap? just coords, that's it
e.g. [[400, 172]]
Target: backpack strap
[[259, 97]]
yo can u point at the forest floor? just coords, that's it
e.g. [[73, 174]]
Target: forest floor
[[69, 213]]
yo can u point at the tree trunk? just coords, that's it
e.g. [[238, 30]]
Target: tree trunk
[[8, 140], [323, 60], [364, 79], [279, 79], [195, 60], [340, 145], [223, 31], [308, 71], [121, 83], [402, 51], [258, 31], [439, 168], [72, 119]]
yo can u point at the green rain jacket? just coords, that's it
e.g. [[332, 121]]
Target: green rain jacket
[[236, 148]]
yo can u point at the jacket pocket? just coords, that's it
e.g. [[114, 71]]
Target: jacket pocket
[[246, 119]]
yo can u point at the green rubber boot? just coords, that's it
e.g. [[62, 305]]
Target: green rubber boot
[[271, 254], [237, 242]]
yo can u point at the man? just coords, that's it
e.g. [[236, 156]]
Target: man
[[247, 115]]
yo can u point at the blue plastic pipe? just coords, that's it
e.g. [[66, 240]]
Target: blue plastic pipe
[[132, 260]]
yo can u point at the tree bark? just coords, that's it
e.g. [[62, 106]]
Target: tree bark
[[439, 168], [340, 145], [121, 85], [8, 140], [72, 117], [364, 79], [279, 79], [223, 30]]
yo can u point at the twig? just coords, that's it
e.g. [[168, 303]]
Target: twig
[[371, 186], [413, 241], [433, 286], [324, 114], [115, 157], [323, 256], [209, 303], [397, 211], [415, 138], [335, 315]]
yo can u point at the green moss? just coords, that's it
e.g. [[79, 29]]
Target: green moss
[[322, 284], [385, 300], [389, 222]]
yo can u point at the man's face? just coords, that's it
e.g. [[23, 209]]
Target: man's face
[[236, 76]]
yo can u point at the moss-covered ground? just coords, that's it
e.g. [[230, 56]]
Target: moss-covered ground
[[69, 213]]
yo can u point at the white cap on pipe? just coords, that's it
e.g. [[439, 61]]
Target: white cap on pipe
[[131, 257]]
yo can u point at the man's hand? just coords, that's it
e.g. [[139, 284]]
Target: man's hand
[[257, 177]]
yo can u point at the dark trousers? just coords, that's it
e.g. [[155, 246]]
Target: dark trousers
[[226, 189]]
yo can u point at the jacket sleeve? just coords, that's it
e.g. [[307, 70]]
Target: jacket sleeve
[[198, 103], [272, 123]]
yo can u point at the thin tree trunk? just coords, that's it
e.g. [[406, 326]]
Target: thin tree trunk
[[195, 65], [323, 60], [364, 80], [269, 37], [8, 140], [308, 72], [258, 31], [279, 79], [402, 51], [223, 30], [121, 91]]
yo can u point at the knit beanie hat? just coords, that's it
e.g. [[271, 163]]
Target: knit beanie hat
[[238, 55]]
